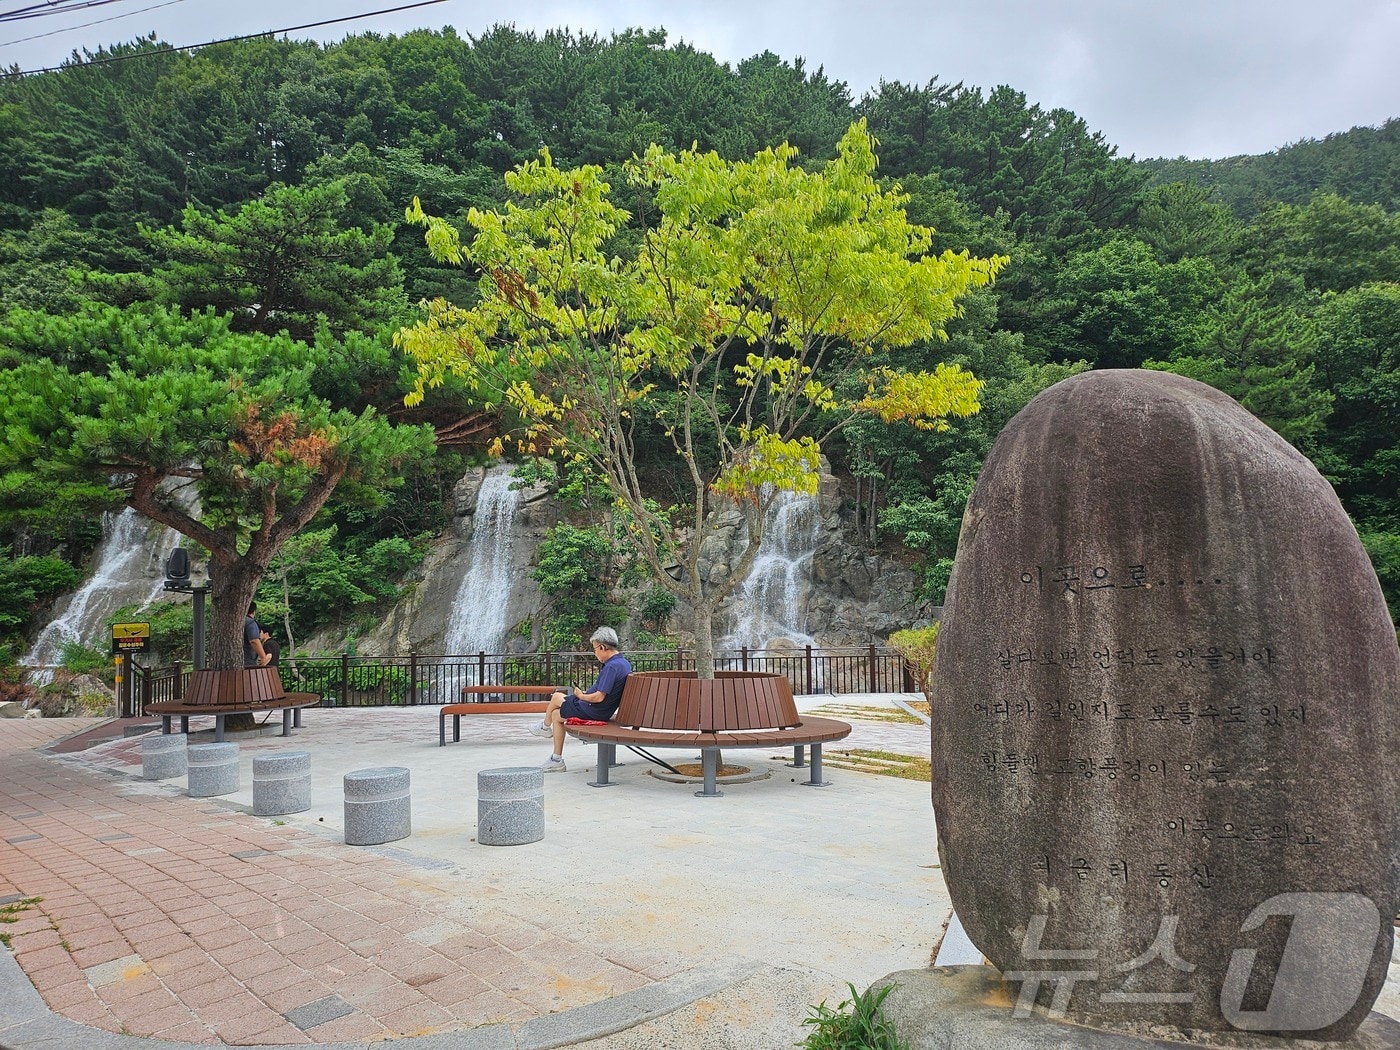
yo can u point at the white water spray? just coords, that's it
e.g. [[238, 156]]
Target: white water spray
[[480, 612], [129, 569], [773, 601]]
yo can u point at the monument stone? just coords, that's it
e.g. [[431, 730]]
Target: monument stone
[[1164, 721]]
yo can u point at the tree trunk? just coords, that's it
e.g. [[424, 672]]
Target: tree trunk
[[231, 589], [704, 640]]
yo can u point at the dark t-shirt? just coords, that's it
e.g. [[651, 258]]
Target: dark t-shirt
[[251, 633], [611, 678]]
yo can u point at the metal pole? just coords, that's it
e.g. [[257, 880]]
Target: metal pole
[[199, 593]]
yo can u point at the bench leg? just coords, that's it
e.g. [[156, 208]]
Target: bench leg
[[286, 721], [456, 728], [709, 761], [218, 729], [797, 762], [165, 725], [816, 780], [442, 729], [296, 718], [606, 754], [185, 724]]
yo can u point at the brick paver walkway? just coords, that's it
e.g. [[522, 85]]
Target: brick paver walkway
[[176, 917]]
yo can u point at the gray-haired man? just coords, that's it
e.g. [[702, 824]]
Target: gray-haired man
[[597, 704]]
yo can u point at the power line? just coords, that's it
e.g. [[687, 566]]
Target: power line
[[85, 25], [210, 43], [47, 9]]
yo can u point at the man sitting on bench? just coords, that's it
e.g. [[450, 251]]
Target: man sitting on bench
[[598, 704]]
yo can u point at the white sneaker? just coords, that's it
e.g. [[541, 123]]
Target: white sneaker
[[554, 764], [540, 729]]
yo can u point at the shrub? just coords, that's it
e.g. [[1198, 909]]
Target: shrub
[[862, 1028]]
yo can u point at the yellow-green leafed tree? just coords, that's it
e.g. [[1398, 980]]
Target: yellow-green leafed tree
[[755, 297], [917, 645]]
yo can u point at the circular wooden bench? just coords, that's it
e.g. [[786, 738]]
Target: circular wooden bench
[[735, 709]]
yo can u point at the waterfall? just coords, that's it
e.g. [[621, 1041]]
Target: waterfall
[[480, 611], [773, 600], [129, 570]]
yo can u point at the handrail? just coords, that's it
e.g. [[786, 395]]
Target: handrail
[[344, 680]]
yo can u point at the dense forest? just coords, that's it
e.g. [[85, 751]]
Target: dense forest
[[211, 247]]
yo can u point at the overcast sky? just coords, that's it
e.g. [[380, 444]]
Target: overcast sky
[[1195, 78]]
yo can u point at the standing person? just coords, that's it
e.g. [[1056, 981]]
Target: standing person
[[598, 704], [254, 655]]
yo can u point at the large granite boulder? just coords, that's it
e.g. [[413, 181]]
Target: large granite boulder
[[1164, 743]]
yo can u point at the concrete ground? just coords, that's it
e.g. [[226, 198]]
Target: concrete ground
[[645, 918]]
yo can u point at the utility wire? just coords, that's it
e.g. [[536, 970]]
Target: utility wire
[[58, 32], [209, 43], [44, 10]]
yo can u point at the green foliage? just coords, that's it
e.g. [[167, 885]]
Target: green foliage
[[856, 1024], [281, 261], [1384, 551], [77, 658], [654, 605], [750, 275], [1258, 348], [29, 583], [388, 684], [321, 579], [276, 153], [917, 646], [150, 397]]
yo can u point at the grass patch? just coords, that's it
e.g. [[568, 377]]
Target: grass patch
[[11, 912], [884, 763], [846, 712], [856, 1024]]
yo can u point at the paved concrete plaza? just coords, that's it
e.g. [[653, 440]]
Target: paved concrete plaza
[[645, 917]]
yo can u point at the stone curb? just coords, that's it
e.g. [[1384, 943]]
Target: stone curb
[[27, 1023]]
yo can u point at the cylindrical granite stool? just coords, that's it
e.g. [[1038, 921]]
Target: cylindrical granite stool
[[281, 783], [376, 806], [162, 756], [510, 806], [213, 769]]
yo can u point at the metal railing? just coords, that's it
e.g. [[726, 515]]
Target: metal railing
[[398, 681]]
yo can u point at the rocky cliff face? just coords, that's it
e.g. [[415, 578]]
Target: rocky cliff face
[[419, 621], [845, 593]]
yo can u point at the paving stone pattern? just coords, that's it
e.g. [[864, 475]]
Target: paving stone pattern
[[205, 925]]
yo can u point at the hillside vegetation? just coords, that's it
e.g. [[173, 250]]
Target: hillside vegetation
[[222, 234]]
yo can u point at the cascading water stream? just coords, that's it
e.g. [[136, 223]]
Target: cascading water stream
[[480, 613], [773, 601], [129, 569]]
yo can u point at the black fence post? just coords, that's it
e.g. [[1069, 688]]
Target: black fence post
[[481, 667], [344, 678], [146, 687], [809, 671], [873, 689], [177, 688], [548, 669], [412, 678], [744, 658]]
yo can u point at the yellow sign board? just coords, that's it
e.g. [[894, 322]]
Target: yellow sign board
[[131, 637]]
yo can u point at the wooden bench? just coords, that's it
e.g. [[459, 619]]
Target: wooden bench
[[736, 710], [291, 705], [492, 707]]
